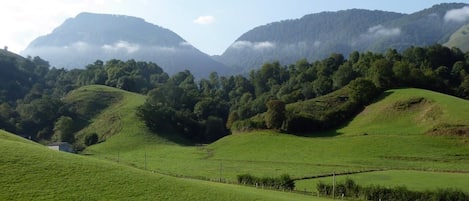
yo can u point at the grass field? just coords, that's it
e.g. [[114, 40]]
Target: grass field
[[31, 171], [389, 134]]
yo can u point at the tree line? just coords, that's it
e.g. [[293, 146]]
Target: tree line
[[273, 96], [350, 189]]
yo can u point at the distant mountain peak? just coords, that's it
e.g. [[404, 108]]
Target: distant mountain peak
[[90, 36]]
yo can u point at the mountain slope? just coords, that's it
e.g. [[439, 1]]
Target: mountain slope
[[313, 36], [460, 39], [87, 37], [34, 172], [316, 36]]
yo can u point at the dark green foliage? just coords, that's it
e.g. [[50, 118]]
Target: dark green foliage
[[351, 190], [214, 129], [284, 182], [233, 117], [248, 125], [63, 129], [91, 139], [362, 91], [275, 114]]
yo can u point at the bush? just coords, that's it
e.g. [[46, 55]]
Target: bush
[[350, 189], [91, 139], [284, 182], [247, 125]]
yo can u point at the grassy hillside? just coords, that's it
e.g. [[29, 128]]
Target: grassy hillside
[[460, 39], [113, 117], [409, 111], [34, 172], [389, 134]]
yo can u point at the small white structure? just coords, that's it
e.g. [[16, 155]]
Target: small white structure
[[61, 146]]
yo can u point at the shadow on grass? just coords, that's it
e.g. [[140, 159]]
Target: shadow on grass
[[334, 132], [175, 137]]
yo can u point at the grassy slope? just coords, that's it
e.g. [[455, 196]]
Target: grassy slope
[[116, 123], [384, 118], [395, 140], [459, 39], [33, 172]]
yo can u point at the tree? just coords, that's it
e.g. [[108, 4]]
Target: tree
[[343, 75], [63, 129], [464, 88], [231, 119], [275, 114], [362, 91], [322, 85], [381, 73]]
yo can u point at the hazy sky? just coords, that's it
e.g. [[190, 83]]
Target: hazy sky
[[209, 25]]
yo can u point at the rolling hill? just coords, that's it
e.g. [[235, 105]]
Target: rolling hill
[[115, 119], [316, 36], [88, 37], [394, 133], [33, 172]]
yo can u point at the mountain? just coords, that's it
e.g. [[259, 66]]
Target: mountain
[[87, 37], [459, 39], [316, 36]]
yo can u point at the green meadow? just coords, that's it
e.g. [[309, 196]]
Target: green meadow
[[389, 134], [33, 172], [405, 138]]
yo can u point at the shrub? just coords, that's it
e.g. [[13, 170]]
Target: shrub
[[91, 139], [284, 182]]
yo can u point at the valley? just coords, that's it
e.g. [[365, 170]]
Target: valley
[[353, 104]]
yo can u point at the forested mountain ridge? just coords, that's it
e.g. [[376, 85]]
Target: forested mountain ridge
[[89, 37], [315, 36]]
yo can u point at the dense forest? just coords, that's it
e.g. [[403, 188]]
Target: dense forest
[[299, 98]]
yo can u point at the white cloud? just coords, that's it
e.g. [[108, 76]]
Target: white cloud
[[185, 44], [241, 44], [253, 45], [122, 45], [458, 15], [205, 20], [380, 30], [79, 46], [263, 45]]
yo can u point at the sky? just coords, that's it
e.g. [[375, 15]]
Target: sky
[[209, 25]]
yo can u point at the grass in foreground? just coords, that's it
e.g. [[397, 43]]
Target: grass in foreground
[[33, 172]]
